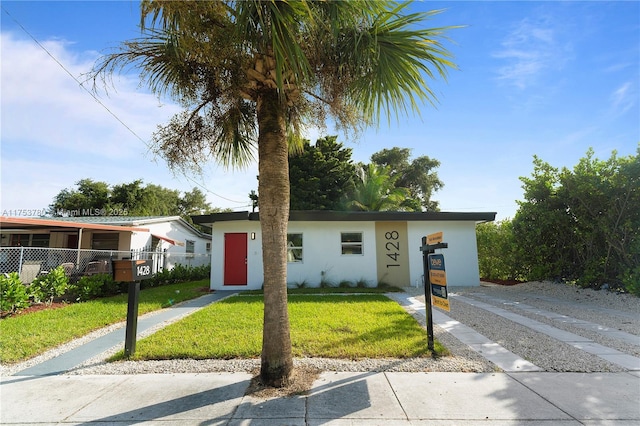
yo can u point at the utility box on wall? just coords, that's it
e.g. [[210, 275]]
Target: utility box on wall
[[132, 270]]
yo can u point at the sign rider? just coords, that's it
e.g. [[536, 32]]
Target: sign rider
[[435, 279]]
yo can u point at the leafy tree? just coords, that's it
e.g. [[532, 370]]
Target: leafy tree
[[498, 252], [541, 225], [603, 202], [128, 196], [254, 74], [253, 196], [88, 195], [376, 191], [321, 175], [418, 176], [582, 224], [159, 201], [194, 203], [136, 198]]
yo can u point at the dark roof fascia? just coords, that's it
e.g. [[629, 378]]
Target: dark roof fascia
[[341, 216]]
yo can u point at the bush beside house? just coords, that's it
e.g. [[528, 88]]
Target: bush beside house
[[16, 296]]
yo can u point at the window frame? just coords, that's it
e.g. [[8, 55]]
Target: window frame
[[293, 247], [105, 240], [351, 244]]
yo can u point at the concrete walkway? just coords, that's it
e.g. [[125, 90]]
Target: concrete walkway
[[78, 356], [519, 396]]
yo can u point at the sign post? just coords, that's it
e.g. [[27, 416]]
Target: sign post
[[429, 244], [132, 271]]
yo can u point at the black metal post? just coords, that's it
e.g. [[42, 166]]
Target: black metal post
[[427, 292], [132, 319]]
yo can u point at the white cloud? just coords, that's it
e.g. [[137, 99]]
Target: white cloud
[[623, 98], [43, 105], [54, 133], [528, 51]]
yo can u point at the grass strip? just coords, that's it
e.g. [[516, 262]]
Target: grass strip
[[331, 326], [27, 335]]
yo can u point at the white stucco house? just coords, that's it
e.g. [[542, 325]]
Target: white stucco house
[[333, 246]]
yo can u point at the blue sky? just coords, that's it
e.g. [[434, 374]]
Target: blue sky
[[535, 78]]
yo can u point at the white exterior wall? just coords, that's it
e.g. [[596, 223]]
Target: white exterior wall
[[139, 240], [460, 258], [322, 253], [173, 230], [254, 253]]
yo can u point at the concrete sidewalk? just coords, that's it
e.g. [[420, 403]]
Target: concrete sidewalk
[[531, 398]]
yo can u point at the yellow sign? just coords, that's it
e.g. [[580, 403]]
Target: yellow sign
[[441, 303], [438, 277], [434, 238]]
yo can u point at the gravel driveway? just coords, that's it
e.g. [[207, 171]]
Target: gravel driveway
[[608, 319]]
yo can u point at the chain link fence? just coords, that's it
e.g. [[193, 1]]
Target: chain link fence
[[30, 262]]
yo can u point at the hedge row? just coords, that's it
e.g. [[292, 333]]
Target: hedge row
[[15, 296]]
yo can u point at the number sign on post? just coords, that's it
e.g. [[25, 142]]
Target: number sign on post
[[132, 271]]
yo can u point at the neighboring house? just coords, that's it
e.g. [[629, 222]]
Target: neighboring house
[[330, 246], [171, 234], [118, 233], [99, 238]]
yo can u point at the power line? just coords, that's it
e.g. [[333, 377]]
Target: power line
[[76, 80], [95, 98]]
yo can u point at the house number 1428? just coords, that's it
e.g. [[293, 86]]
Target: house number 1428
[[392, 247], [144, 270]]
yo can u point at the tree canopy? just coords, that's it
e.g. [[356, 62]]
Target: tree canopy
[[321, 175], [130, 199], [580, 225], [376, 191], [418, 176]]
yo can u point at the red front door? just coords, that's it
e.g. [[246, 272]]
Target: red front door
[[235, 259]]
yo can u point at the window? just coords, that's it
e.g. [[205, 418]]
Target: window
[[40, 240], [351, 242], [294, 248], [190, 246], [104, 241]]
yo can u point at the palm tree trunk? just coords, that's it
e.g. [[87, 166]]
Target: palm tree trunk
[[273, 189]]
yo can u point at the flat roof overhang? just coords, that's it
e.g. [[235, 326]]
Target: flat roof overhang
[[27, 224], [345, 216]]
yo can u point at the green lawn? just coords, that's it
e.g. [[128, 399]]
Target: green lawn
[[25, 336], [333, 326]]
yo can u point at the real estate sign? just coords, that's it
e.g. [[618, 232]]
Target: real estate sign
[[438, 279]]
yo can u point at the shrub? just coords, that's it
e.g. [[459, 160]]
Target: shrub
[[49, 286], [13, 294], [91, 287], [324, 283], [631, 281], [384, 285], [498, 251], [179, 273], [362, 283], [345, 284]]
